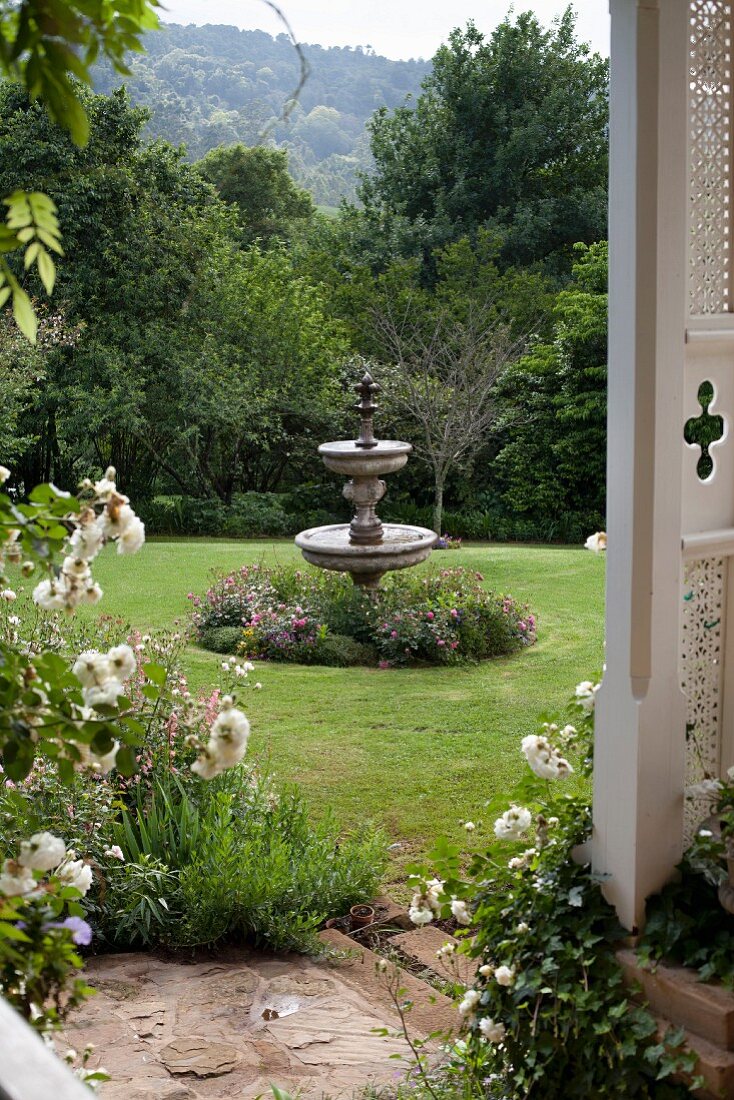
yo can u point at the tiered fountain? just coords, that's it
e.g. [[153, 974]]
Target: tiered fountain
[[365, 548]]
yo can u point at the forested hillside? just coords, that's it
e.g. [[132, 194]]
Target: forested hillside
[[214, 85]]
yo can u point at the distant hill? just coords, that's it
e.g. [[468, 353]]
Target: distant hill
[[214, 85]]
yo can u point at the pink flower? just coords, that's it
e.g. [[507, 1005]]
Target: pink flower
[[440, 642], [393, 633], [383, 664], [454, 613], [430, 616]]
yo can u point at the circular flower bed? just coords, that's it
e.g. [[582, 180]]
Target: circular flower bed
[[442, 617]]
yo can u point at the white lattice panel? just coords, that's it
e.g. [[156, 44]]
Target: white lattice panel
[[710, 103], [704, 598]]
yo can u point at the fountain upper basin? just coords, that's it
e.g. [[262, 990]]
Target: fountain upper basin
[[401, 546], [345, 457]]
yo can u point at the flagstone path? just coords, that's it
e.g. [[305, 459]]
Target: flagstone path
[[234, 1024]]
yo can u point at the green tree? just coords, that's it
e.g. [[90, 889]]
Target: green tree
[[48, 47], [263, 388], [139, 226], [551, 425], [257, 183], [509, 133]]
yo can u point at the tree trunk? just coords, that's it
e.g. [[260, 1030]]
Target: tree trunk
[[438, 508]]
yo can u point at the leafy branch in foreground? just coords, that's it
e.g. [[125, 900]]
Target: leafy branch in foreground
[[49, 46]]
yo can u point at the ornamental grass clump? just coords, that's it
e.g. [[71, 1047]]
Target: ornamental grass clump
[[441, 617]]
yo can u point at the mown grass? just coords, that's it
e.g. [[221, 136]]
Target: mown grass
[[415, 749]]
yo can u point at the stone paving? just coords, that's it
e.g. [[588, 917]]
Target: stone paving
[[232, 1025]]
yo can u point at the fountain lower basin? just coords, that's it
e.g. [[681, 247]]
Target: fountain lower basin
[[400, 547]]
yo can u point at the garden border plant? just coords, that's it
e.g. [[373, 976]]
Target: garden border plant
[[547, 1014], [441, 617]]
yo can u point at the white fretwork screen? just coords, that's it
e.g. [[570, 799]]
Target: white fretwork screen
[[710, 112], [708, 465]]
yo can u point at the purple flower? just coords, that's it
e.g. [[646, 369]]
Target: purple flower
[[81, 932]]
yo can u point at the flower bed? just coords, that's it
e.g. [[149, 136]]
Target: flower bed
[[443, 617]]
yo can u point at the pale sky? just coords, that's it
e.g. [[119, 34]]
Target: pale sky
[[395, 28]]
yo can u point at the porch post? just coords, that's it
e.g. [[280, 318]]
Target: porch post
[[640, 714]]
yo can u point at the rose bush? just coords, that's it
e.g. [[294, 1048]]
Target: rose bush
[[442, 617]]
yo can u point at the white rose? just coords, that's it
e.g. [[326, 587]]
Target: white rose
[[50, 595], [513, 823], [207, 766], [596, 542], [92, 668], [504, 975], [460, 911], [86, 541], [105, 694], [15, 880], [493, 1032], [122, 662], [76, 873], [4, 474], [469, 1002], [132, 537], [420, 915], [42, 852]]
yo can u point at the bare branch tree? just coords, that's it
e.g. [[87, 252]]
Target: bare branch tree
[[441, 374]]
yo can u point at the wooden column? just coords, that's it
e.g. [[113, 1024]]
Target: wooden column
[[640, 726]]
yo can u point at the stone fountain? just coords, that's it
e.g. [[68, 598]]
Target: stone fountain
[[365, 548]]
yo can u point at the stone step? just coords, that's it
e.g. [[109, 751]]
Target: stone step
[[421, 946], [430, 1012], [677, 994], [390, 914], [715, 1065]]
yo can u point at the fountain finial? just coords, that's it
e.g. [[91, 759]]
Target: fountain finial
[[366, 409]]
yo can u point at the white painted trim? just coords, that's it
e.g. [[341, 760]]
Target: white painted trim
[[714, 328], [639, 753], [708, 544], [28, 1069]]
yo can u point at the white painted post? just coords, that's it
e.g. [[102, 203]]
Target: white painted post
[[640, 710]]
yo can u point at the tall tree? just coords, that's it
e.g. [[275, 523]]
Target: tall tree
[[256, 182], [551, 424], [509, 133]]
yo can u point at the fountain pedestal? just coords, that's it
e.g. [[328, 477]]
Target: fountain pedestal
[[366, 548]]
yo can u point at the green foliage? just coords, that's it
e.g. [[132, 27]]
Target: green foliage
[[291, 615], [221, 639], [139, 907], [39, 963], [30, 224], [48, 46], [544, 942], [508, 133], [196, 367], [232, 860], [214, 86], [686, 922], [257, 183], [551, 426]]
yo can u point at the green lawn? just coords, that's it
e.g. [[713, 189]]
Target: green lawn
[[413, 749]]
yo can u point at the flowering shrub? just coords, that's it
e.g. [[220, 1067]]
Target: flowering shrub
[[448, 542], [441, 617], [547, 1013], [41, 924], [68, 719]]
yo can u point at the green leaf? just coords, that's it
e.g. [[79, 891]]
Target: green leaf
[[24, 314], [156, 673], [46, 270], [125, 760]]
